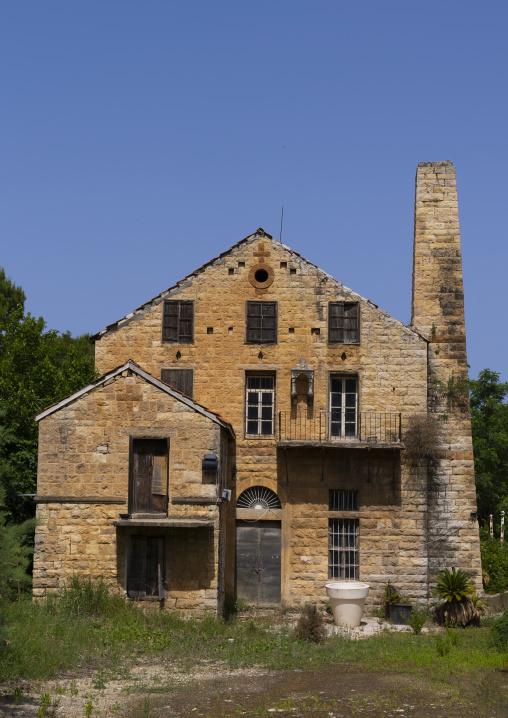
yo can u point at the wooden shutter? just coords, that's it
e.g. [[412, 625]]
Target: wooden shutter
[[261, 323], [335, 316], [170, 322], [159, 475], [145, 569], [343, 324], [137, 566], [149, 476], [351, 335], [141, 476], [178, 321], [181, 379], [186, 324]]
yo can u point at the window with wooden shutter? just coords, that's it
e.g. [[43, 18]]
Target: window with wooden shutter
[[178, 322], [148, 490], [181, 379], [145, 568], [343, 323], [261, 323]]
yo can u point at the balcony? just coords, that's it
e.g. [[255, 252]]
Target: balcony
[[349, 429]]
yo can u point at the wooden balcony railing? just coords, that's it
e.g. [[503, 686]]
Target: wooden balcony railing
[[335, 428]]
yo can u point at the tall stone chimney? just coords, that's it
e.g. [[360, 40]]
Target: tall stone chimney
[[437, 312]]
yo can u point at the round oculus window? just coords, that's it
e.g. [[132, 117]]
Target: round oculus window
[[261, 276]]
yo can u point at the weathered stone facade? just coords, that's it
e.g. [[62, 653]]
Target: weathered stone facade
[[411, 514], [83, 487], [438, 312]]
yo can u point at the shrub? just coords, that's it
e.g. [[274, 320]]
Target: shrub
[[392, 595], [454, 585], [419, 615], [310, 626], [499, 632], [454, 588], [444, 644], [494, 562]]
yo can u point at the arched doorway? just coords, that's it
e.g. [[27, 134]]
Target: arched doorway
[[258, 547]]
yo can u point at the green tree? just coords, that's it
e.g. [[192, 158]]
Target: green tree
[[37, 368], [11, 297], [489, 419], [15, 553]]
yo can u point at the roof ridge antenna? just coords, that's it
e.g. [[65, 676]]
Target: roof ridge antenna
[[281, 218]]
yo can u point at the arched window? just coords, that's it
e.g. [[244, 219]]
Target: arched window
[[258, 497]]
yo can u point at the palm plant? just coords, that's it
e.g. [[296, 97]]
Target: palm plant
[[455, 589]]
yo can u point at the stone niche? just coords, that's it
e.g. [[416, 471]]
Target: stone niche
[[302, 382]]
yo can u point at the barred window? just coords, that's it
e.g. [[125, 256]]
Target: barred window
[[261, 323], [341, 500], [343, 540], [343, 323], [178, 322]]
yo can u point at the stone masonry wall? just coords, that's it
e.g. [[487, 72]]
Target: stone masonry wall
[[438, 312], [390, 362], [391, 517], [83, 479]]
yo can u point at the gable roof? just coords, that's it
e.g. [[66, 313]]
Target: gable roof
[[131, 365], [258, 234]]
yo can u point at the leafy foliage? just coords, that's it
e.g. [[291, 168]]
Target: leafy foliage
[[37, 368], [499, 632], [419, 615], [392, 595], [455, 589], [454, 585], [444, 644], [14, 554], [489, 418], [11, 297], [494, 562]]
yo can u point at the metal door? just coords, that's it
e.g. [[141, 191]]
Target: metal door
[[258, 562]]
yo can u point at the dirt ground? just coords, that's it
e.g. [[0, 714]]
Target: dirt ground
[[156, 690]]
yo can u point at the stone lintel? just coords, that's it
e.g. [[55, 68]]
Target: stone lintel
[[184, 523], [199, 500], [80, 500], [448, 339], [396, 446]]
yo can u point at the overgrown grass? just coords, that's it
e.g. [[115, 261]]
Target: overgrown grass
[[88, 626]]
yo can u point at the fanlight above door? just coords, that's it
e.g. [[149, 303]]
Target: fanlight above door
[[258, 497]]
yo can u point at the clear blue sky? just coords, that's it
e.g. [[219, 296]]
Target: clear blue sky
[[140, 139]]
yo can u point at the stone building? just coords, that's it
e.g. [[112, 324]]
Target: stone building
[[344, 452]]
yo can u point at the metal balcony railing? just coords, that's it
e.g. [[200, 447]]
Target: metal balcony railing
[[339, 428]]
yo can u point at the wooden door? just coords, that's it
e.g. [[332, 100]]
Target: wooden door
[[145, 571], [258, 562], [149, 476]]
